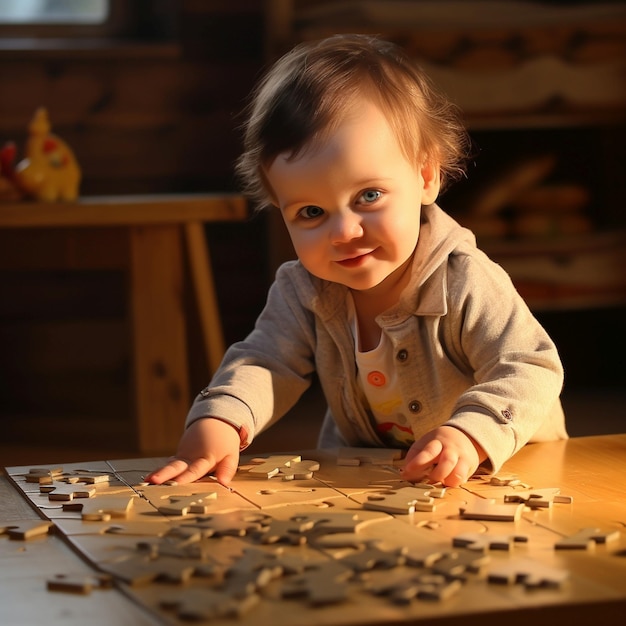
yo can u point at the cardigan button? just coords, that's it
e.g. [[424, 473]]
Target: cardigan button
[[402, 355], [415, 406], [507, 415]]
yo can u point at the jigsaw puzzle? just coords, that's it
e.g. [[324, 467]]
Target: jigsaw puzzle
[[204, 552]]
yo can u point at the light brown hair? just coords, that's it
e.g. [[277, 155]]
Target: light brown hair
[[310, 90]]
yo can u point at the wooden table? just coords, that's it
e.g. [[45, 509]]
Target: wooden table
[[590, 470], [160, 228]]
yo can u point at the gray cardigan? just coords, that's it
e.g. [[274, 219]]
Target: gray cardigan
[[469, 353]]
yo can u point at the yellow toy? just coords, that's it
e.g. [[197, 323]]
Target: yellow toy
[[49, 171]]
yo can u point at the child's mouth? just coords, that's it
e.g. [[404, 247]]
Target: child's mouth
[[354, 261]]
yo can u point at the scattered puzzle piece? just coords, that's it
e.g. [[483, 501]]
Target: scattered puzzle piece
[[302, 470], [255, 560], [198, 504], [404, 587], [507, 480], [90, 478], [422, 557], [531, 574], [58, 490], [180, 547], [103, 508], [43, 475], [373, 557], [538, 498], [323, 583], [457, 564], [335, 529], [270, 466], [290, 531], [140, 570], [483, 542], [236, 524], [401, 501], [586, 539], [200, 605], [289, 467], [25, 530], [81, 584], [488, 509]]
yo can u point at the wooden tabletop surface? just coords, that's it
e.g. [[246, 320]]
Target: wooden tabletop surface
[[125, 210], [588, 470]]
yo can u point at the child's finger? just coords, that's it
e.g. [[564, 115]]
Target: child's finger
[[167, 472], [420, 459], [456, 475], [446, 465], [195, 470], [226, 469]]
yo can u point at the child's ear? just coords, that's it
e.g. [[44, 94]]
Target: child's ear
[[431, 175]]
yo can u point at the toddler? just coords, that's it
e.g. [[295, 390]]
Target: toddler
[[419, 341]]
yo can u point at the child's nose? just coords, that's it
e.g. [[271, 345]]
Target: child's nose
[[346, 227]]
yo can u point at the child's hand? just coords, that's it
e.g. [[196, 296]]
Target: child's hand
[[207, 445], [445, 455]]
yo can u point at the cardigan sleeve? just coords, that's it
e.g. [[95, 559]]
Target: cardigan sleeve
[[263, 376], [517, 372]]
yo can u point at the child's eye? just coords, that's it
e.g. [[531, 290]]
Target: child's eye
[[310, 212], [369, 196]]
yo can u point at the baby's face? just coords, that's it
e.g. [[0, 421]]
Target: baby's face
[[352, 205]]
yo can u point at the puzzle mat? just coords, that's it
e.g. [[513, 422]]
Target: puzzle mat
[[351, 544]]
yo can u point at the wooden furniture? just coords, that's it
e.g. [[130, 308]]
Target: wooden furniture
[[590, 470], [159, 229]]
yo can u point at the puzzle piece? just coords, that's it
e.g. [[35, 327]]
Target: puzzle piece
[[143, 570], [58, 490], [302, 470], [422, 557], [402, 588], [531, 574], [586, 539], [373, 557], [43, 475], [103, 508], [330, 522], [198, 504], [507, 480], [254, 559], [180, 547], [432, 491], [538, 498], [483, 542], [373, 456], [88, 478], [236, 524], [291, 531], [403, 501], [323, 583], [25, 530], [458, 563], [488, 509], [271, 465], [81, 584], [201, 605]]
